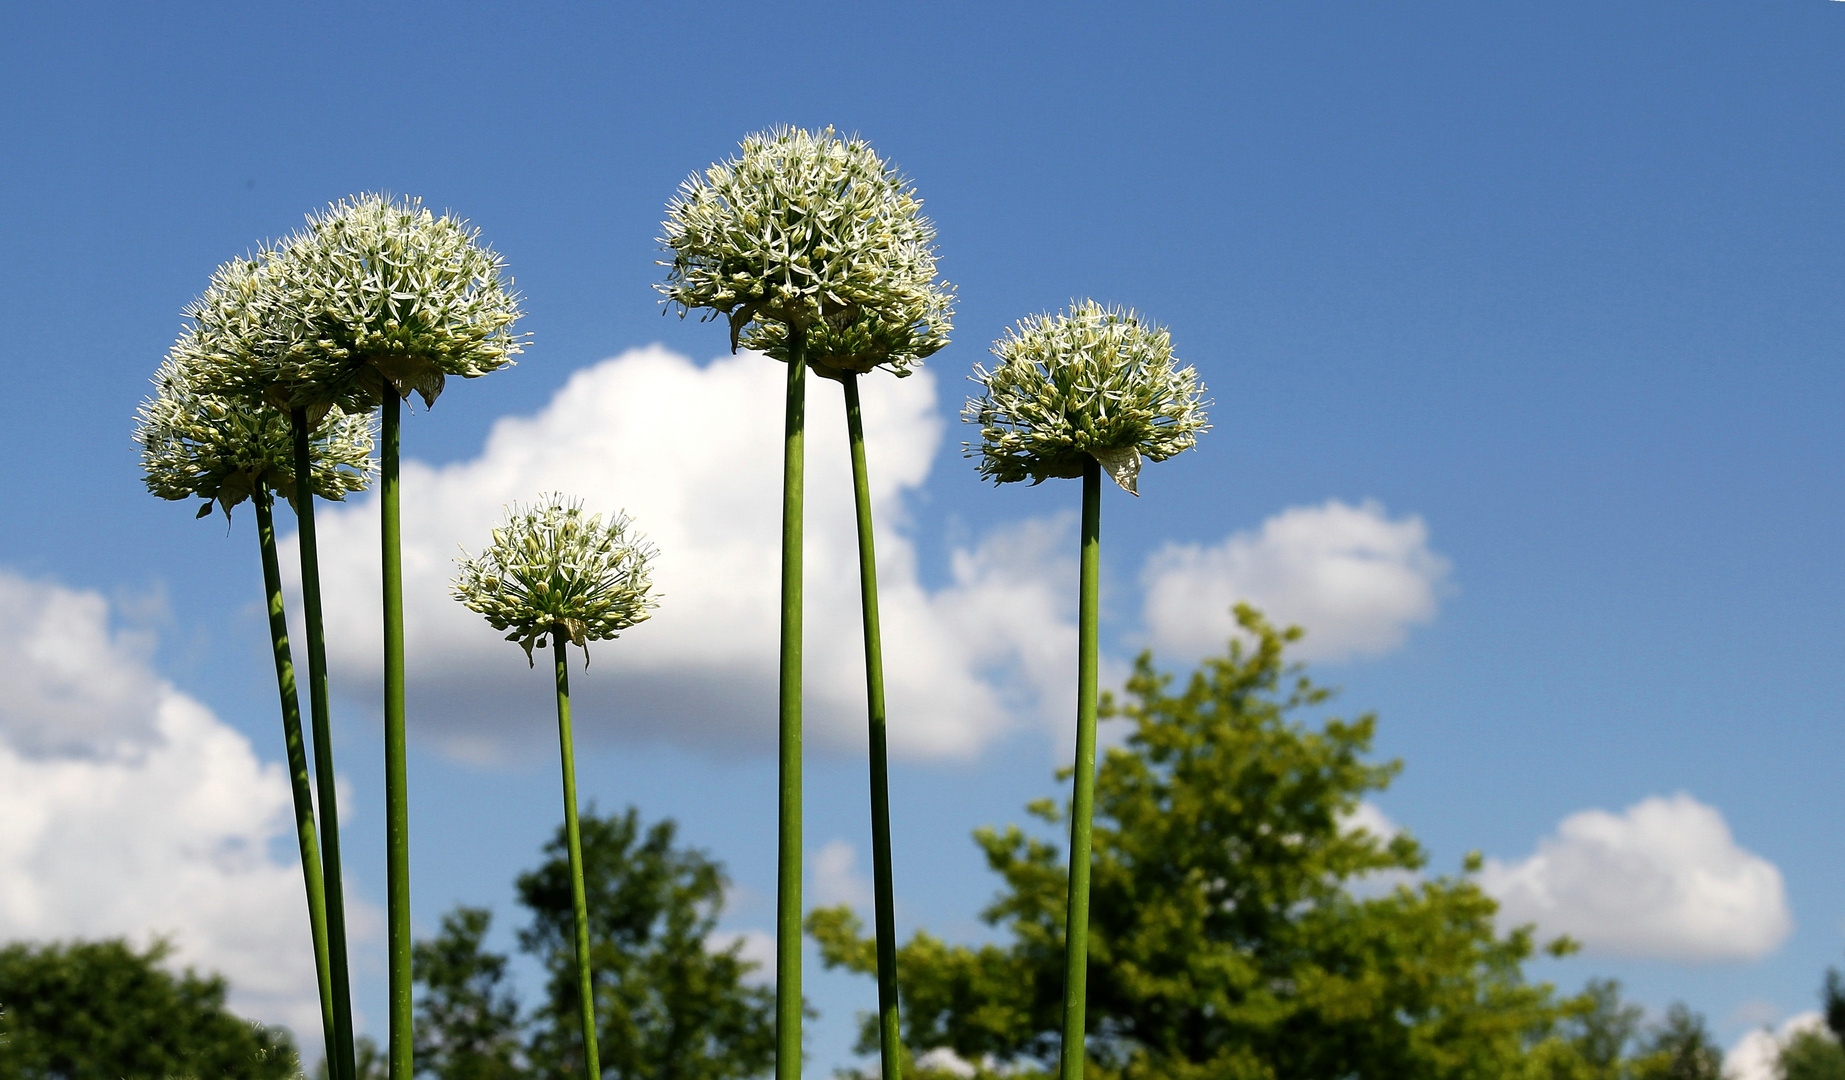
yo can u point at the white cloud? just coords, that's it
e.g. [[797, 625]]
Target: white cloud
[[130, 810], [1755, 1055], [694, 454], [836, 877], [1663, 879], [758, 948], [1366, 817], [1354, 578]]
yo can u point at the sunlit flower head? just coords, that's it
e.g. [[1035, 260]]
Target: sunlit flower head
[[375, 291], [1093, 382], [199, 444], [553, 569], [813, 234]]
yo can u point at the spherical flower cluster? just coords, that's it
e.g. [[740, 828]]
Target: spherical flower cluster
[[811, 235], [1095, 382], [374, 291], [554, 570], [197, 443]]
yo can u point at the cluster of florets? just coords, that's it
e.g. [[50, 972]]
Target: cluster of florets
[[553, 570], [1095, 382], [811, 237], [197, 444], [374, 292]]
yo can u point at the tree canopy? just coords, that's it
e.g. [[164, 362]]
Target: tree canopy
[[669, 1005], [104, 1010], [1242, 925]]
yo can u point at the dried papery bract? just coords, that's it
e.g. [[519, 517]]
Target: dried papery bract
[[196, 444], [817, 254], [1092, 388], [376, 299], [556, 573]]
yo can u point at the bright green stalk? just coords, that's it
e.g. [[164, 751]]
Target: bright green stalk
[[301, 783], [1082, 804], [788, 877], [396, 802], [586, 991], [340, 1054], [890, 1045]]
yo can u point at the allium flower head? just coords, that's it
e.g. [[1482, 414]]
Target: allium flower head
[[376, 291], [1095, 382], [554, 570], [196, 443], [812, 234]]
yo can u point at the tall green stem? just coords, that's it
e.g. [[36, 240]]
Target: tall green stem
[[1082, 804], [890, 1046], [298, 776], [396, 801], [586, 992], [340, 1054], [788, 876]]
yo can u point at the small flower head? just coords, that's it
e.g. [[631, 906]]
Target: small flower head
[[1095, 382], [376, 291], [811, 235], [196, 443], [554, 570]]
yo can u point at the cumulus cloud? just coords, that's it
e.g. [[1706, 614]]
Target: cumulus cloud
[[1353, 577], [130, 810], [1662, 879], [836, 877], [1756, 1055], [694, 454]]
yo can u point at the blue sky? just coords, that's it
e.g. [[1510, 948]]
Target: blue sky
[[1559, 281]]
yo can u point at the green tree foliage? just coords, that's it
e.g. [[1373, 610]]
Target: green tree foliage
[[666, 1006], [106, 1011], [1226, 939], [1682, 1048], [1812, 1055], [467, 1022], [1817, 1055]]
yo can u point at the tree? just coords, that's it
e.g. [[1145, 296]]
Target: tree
[[103, 1010], [1225, 940], [1812, 1055], [1817, 1055], [467, 1019], [668, 1006], [1682, 1048]]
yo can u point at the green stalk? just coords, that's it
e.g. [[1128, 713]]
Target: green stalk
[[788, 876], [297, 762], [340, 1053], [592, 1068], [1082, 804], [396, 803], [889, 1039]]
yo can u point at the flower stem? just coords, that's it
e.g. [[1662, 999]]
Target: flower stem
[[889, 1039], [788, 876], [1082, 804], [396, 802], [298, 776], [340, 1054], [586, 992]]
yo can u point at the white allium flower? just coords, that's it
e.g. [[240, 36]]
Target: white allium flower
[[196, 443], [375, 290], [814, 234], [554, 570], [1095, 382]]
